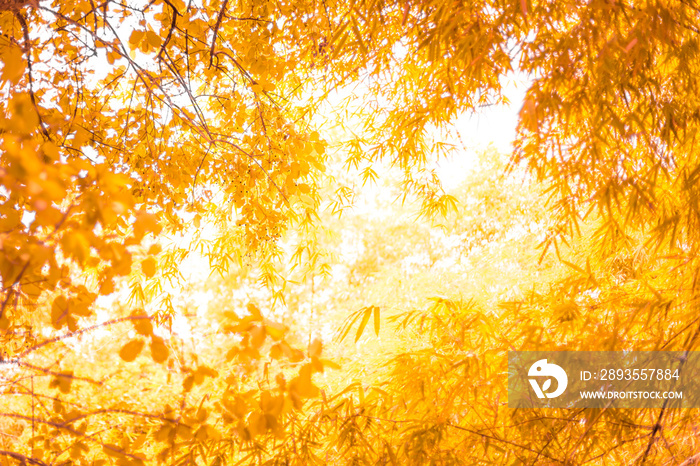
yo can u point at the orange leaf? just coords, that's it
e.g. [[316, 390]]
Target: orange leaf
[[132, 349]]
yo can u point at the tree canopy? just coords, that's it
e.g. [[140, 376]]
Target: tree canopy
[[140, 140]]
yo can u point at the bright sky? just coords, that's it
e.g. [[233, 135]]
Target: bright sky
[[492, 126]]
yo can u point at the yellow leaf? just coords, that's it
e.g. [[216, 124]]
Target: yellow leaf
[[202, 415], [212, 432], [183, 431], [63, 382], [201, 434], [276, 351], [11, 218], [59, 312], [76, 245], [254, 311], [275, 330], [308, 200], [148, 266], [132, 349], [143, 326], [257, 424], [365, 318], [329, 363], [271, 404], [188, 383], [159, 352], [257, 336], [238, 407], [145, 223], [376, 320], [81, 137], [315, 348], [163, 433], [24, 116], [136, 37], [153, 39], [138, 441], [302, 385], [77, 450], [13, 64], [207, 371], [112, 450]]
